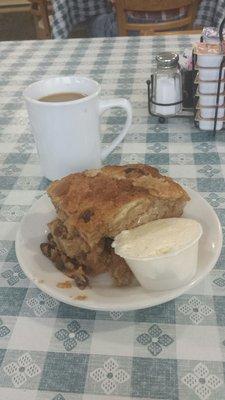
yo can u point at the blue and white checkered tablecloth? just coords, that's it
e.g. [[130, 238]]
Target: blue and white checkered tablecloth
[[52, 351], [210, 13], [68, 13]]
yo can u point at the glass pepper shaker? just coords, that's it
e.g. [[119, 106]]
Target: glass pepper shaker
[[166, 85]]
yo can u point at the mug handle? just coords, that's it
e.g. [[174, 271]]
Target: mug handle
[[122, 103]]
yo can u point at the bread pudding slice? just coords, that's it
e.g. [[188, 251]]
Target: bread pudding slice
[[101, 203], [73, 257]]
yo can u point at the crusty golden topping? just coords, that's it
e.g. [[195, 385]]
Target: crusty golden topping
[[100, 203], [64, 285]]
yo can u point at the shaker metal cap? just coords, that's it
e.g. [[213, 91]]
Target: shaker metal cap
[[167, 59]]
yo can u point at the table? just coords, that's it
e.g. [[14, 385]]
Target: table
[[210, 13], [68, 13], [52, 351]]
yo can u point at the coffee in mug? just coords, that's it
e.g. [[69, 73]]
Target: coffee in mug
[[58, 97], [67, 128]]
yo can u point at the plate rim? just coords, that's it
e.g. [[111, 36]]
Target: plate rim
[[82, 304]]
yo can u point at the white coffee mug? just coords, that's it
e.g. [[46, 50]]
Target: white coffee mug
[[67, 133]]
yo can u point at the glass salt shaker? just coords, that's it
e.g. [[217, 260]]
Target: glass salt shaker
[[167, 85]]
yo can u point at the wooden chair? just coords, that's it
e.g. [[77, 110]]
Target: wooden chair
[[186, 32], [14, 6], [124, 26], [42, 11]]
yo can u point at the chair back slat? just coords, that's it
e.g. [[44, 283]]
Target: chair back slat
[[184, 22]]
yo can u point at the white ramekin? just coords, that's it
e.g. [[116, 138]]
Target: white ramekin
[[210, 87], [210, 74], [209, 60], [209, 112], [210, 100], [168, 271]]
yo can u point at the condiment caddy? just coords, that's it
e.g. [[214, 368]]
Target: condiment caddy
[[209, 62], [199, 92]]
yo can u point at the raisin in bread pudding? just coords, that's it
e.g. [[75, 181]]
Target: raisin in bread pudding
[[94, 206]]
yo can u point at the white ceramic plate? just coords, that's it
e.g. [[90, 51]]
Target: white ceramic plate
[[102, 295]]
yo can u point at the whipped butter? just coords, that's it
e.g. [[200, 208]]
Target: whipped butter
[[157, 238]]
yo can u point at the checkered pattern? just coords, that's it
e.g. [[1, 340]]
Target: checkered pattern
[[68, 13], [49, 350], [210, 13]]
